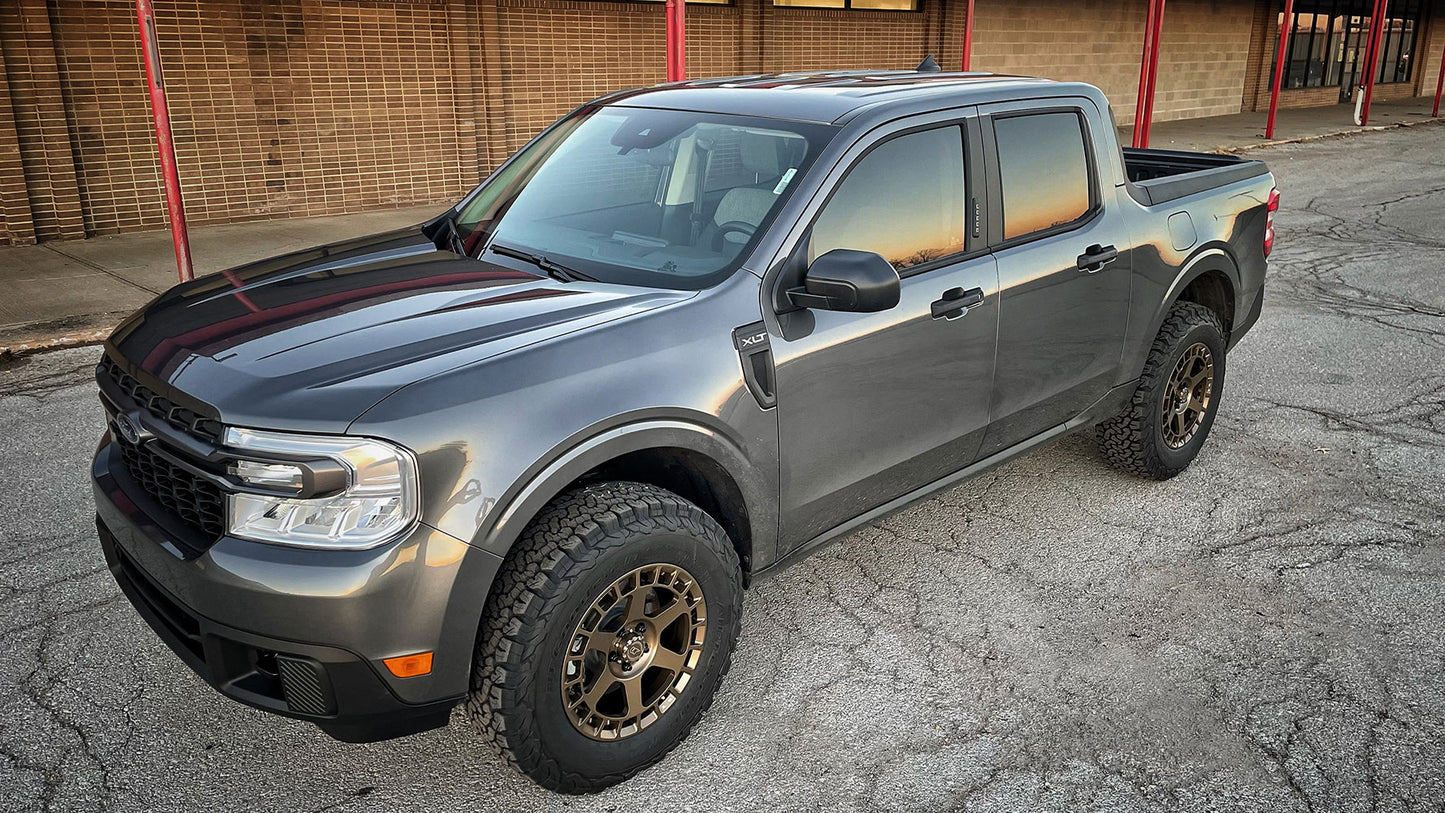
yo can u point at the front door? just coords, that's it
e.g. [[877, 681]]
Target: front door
[[874, 405], [1064, 285]]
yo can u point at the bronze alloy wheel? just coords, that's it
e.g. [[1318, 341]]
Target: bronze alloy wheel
[[1186, 396], [634, 652]]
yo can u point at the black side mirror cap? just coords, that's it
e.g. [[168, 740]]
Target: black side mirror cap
[[845, 279]]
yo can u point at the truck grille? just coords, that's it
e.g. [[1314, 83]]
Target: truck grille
[[199, 503], [186, 420]]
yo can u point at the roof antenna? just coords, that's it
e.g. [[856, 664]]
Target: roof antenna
[[928, 65]]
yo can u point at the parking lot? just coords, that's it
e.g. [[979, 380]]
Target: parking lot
[[1264, 632]]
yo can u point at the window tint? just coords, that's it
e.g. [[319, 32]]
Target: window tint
[[1044, 171], [903, 200]]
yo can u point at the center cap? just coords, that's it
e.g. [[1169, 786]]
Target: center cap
[[631, 648]]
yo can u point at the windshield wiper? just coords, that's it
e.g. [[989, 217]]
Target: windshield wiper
[[554, 269]]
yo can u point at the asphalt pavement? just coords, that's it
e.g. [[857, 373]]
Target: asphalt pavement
[[1264, 632]]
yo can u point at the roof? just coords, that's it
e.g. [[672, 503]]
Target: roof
[[823, 96]]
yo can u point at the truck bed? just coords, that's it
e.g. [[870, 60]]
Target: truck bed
[[1157, 176]]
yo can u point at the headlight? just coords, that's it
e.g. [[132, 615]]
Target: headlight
[[372, 499]]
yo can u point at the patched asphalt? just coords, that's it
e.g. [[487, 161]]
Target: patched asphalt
[[1264, 632]]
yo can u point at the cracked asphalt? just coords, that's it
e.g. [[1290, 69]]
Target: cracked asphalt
[[1264, 632]]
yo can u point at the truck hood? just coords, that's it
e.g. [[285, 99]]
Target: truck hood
[[311, 340]]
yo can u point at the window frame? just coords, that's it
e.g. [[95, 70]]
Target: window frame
[[970, 247], [848, 6], [996, 239]]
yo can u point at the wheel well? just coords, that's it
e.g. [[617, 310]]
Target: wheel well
[[1213, 290], [696, 478]]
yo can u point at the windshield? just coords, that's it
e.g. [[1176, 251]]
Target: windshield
[[663, 198]]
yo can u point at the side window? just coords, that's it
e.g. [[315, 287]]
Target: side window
[[1044, 171], [903, 200]]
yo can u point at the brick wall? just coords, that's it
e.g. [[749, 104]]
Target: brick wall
[[38, 115], [818, 39], [278, 108], [1202, 57]]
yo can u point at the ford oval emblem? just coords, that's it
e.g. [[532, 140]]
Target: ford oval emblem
[[128, 428]]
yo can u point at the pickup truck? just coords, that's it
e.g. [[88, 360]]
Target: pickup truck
[[524, 458]]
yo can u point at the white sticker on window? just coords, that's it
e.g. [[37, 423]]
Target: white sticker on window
[[783, 181]]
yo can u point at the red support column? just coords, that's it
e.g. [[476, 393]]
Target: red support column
[[1439, 85], [1286, 26], [1378, 20], [968, 37], [1148, 73], [676, 40], [150, 47]]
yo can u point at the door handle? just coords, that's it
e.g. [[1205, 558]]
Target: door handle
[[956, 302], [1095, 257]]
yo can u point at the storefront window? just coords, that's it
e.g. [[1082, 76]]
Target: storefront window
[[1328, 39], [861, 5]]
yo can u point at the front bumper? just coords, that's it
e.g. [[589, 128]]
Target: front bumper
[[302, 633]]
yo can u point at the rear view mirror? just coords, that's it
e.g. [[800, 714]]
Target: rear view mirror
[[848, 280]]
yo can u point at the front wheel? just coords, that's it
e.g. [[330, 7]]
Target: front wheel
[[1174, 405], [611, 627]]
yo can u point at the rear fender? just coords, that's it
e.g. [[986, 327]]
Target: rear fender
[[1206, 259]]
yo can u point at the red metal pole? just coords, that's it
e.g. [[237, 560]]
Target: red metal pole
[[1139, 100], [676, 40], [968, 37], [1155, 38], [1377, 32], [1285, 28], [150, 47]]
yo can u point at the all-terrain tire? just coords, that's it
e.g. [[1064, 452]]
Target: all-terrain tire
[[578, 546], [1134, 441]]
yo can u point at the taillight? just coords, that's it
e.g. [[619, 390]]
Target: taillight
[[1269, 210]]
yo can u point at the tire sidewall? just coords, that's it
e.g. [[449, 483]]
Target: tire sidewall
[[555, 733], [1209, 335]]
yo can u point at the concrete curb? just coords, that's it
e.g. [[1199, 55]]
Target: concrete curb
[[41, 345], [1323, 136]]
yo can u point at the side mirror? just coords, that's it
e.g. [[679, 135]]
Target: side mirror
[[848, 280]]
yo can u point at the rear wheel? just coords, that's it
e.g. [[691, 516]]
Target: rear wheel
[[1174, 405], [611, 627]]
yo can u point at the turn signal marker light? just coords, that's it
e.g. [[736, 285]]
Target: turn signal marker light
[[410, 665]]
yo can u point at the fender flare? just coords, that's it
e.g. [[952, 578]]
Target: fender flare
[[592, 447], [1208, 258]]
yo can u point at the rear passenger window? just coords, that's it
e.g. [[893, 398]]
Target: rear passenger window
[[1044, 170], [903, 200]]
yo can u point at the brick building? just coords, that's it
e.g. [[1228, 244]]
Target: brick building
[[286, 108]]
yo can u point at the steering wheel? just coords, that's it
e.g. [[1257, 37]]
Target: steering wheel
[[742, 227]]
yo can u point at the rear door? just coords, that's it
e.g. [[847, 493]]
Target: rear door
[[874, 405], [1064, 284]]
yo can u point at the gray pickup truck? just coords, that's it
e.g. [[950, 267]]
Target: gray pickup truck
[[525, 457]]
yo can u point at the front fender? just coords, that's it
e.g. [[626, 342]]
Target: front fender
[[597, 445]]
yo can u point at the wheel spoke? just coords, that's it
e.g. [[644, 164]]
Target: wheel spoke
[[1197, 404], [674, 611], [594, 694], [633, 688], [673, 662], [601, 641], [636, 609]]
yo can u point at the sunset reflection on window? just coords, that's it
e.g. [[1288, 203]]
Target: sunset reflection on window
[[903, 200], [1044, 171]]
